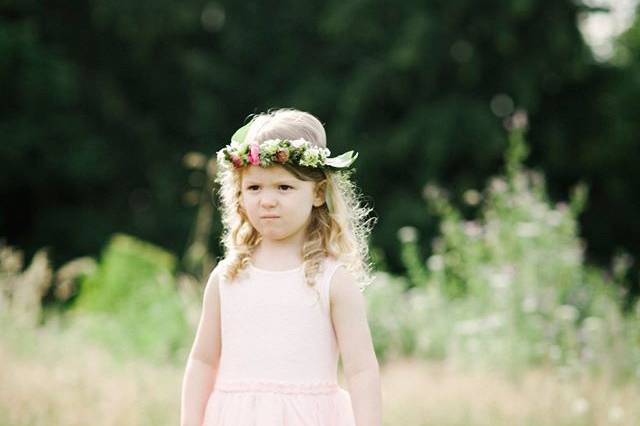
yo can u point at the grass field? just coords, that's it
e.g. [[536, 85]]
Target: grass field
[[49, 377]]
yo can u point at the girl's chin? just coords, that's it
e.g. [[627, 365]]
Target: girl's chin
[[274, 236], [270, 233]]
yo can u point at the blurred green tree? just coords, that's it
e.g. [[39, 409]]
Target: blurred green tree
[[102, 99]]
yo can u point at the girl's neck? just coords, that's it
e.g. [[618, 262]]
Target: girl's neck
[[275, 255]]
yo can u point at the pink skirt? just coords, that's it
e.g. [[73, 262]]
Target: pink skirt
[[278, 404]]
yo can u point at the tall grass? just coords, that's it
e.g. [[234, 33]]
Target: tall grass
[[508, 289], [53, 376]]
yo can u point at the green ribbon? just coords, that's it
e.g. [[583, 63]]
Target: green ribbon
[[327, 200]]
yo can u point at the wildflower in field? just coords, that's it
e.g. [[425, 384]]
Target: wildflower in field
[[472, 197], [580, 406], [408, 234], [435, 263], [616, 414]]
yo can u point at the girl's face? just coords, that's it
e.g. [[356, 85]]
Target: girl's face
[[277, 203]]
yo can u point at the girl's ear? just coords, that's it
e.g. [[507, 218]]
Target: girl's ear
[[319, 193]]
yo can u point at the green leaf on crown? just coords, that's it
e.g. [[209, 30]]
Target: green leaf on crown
[[240, 135], [343, 160]]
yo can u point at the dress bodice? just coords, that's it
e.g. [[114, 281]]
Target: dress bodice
[[275, 327]]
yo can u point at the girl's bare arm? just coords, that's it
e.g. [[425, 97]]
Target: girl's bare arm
[[348, 313], [202, 365]]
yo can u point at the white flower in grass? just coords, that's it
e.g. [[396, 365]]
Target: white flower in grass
[[498, 185], [519, 119], [567, 313], [592, 325], [580, 406], [472, 229], [530, 304], [408, 234], [616, 414], [554, 218], [468, 327], [502, 278], [472, 197], [493, 321], [435, 263], [527, 229]]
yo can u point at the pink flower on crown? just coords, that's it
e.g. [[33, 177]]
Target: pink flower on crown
[[237, 162], [254, 154]]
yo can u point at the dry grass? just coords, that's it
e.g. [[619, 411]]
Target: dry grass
[[419, 393], [52, 378]]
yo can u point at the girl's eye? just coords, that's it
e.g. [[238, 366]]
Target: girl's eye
[[285, 187], [252, 187]]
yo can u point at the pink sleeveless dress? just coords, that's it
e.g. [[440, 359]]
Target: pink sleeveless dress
[[279, 355]]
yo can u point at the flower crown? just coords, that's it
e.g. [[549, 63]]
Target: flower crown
[[280, 151]]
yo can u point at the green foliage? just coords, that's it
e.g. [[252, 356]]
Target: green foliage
[[131, 303], [509, 288], [100, 102], [410, 255]]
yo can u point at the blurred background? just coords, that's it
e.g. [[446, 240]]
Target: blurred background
[[498, 147]]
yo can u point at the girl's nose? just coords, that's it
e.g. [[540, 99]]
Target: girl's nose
[[268, 201]]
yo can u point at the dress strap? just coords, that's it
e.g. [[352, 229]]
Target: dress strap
[[330, 268]]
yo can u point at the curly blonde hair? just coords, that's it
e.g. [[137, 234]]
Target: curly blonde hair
[[341, 231]]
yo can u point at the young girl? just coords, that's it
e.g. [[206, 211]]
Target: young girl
[[287, 297]]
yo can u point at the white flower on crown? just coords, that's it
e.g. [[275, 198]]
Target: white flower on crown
[[238, 148], [270, 146], [311, 157], [220, 156], [298, 143]]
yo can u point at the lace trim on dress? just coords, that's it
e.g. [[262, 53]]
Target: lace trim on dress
[[277, 387]]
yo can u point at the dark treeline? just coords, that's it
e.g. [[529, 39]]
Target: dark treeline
[[101, 100]]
